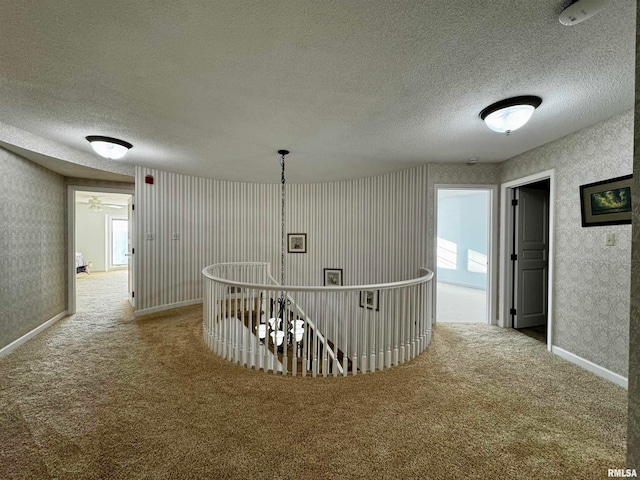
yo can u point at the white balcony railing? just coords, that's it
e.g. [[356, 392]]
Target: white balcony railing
[[313, 330]]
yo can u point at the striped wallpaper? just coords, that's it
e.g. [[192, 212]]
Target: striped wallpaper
[[373, 228]]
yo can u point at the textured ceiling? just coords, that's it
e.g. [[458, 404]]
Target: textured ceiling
[[352, 88]]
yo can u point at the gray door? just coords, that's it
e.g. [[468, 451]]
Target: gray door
[[531, 262], [130, 251]]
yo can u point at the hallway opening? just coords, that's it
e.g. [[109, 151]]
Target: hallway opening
[[100, 246], [463, 253]]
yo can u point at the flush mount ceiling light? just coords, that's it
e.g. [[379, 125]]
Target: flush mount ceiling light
[[580, 11], [510, 114], [108, 147]]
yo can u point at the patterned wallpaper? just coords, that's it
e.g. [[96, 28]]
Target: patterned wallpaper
[[633, 430], [592, 281], [33, 246]]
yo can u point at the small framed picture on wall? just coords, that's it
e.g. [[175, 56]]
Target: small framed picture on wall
[[332, 277], [370, 299], [297, 243]]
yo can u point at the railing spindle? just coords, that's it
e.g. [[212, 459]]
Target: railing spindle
[[240, 299]]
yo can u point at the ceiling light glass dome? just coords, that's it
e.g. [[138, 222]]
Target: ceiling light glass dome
[[508, 115], [108, 147]]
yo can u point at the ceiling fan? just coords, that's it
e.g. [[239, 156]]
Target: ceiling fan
[[96, 205]]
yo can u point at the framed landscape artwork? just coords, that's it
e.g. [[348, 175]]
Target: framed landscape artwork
[[370, 299], [297, 243], [607, 202], [332, 277]]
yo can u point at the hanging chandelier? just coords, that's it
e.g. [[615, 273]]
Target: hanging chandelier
[[282, 300]]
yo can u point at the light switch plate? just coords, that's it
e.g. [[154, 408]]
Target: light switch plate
[[611, 239]]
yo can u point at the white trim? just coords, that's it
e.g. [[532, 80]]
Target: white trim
[[426, 275], [492, 242], [71, 235], [592, 367], [28, 336], [506, 224], [169, 306]]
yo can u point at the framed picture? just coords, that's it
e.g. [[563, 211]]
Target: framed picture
[[297, 243], [370, 299], [332, 277], [607, 202]]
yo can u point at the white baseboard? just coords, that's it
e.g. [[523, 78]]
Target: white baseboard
[[27, 336], [592, 367], [169, 306]]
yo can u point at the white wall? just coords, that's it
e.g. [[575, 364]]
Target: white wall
[[372, 228], [91, 234]]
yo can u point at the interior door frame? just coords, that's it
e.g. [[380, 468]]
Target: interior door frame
[[492, 250], [71, 235], [506, 227]]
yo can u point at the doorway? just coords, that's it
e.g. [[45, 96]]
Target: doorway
[[527, 256], [464, 252], [530, 259], [100, 246]]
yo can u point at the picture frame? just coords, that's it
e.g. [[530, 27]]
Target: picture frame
[[297, 243], [607, 202], [332, 277], [370, 299]]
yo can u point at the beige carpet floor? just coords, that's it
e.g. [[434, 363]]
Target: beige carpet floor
[[103, 395], [460, 304]]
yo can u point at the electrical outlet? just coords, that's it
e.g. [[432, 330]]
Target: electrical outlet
[[151, 236], [611, 239], [175, 236]]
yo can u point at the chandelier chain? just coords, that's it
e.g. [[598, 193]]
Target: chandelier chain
[[282, 218]]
